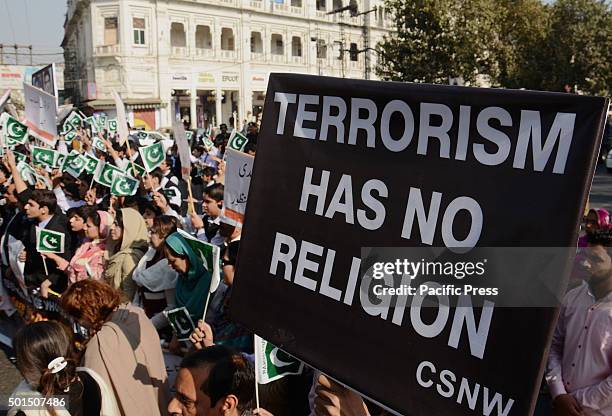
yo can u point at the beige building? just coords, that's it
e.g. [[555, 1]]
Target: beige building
[[204, 61]]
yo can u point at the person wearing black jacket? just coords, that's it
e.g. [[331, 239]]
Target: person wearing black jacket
[[41, 206]]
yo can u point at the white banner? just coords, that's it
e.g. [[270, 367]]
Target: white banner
[[238, 171], [122, 128], [180, 138], [41, 113]]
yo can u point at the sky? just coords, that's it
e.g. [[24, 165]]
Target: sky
[[39, 23]]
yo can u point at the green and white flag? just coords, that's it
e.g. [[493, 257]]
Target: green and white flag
[[188, 135], [141, 135], [67, 128], [98, 144], [92, 123], [237, 141], [135, 170], [106, 174], [152, 156], [124, 185], [210, 256], [20, 157], [74, 119], [112, 125], [208, 144], [60, 160], [48, 241], [27, 173], [100, 121], [91, 163], [74, 164], [272, 363], [14, 131], [70, 136], [44, 156]]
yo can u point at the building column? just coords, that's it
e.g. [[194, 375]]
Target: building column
[[218, 111], [193, 113]]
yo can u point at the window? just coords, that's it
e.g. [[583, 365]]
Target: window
[[177, 35], [203, 37], [276, 44], [138, 24], [256, 42], [353, 52], [321, 5], [227, 39], [321, 49], [296, 46], [296, 3], [110, 31], [337, 4]]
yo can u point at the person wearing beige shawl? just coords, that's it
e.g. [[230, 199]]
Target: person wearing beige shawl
[[130, 242], [123, 348]]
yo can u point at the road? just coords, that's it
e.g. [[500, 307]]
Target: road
[[601, 196]]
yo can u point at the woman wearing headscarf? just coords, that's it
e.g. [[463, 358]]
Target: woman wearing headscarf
[[193, 284], [596, 219], [129, 237], [157, 280], [121, 345], [89, 261]]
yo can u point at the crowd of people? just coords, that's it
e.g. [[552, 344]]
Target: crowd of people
[[93, 317]]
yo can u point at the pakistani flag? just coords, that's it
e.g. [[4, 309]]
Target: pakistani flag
[[124, 185], [74, 164], [98, 144], [152, 156], [273, 363], [135, 170], [44, 156], [210, 256], [74, 119], [92, 123], [188, 135], [60, 160], [48, 241], [100, 121], [208, 144], [141, 135], [104, 176], [15, 132], [237, 141], [67, 128], [27, 173], [91, 163], [70, 136], [20, 157], [112, 125]]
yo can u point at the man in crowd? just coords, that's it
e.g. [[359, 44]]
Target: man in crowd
[[579, 372]]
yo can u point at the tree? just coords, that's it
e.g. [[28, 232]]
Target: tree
[[438, 39], [579, 47], [524, 30]]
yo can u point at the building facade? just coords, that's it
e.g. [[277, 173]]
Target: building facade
[[208, 61]]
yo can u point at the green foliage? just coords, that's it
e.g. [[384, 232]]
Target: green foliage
[[516, 43]]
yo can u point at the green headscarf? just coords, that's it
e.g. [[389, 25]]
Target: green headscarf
[[192, 287]]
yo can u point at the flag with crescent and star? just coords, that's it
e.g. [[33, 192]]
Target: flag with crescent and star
[[48, 241], [273, 363]]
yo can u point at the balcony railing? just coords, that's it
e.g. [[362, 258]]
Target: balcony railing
[[279, 59], [205, 52], [297, 60], [180, 51], [355, 64], [227, 54], [256, 4], [257, 56], [322, 14], [297, 10], [108, 50], [280, 7]]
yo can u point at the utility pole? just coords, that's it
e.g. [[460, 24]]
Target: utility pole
[[1, 54]]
